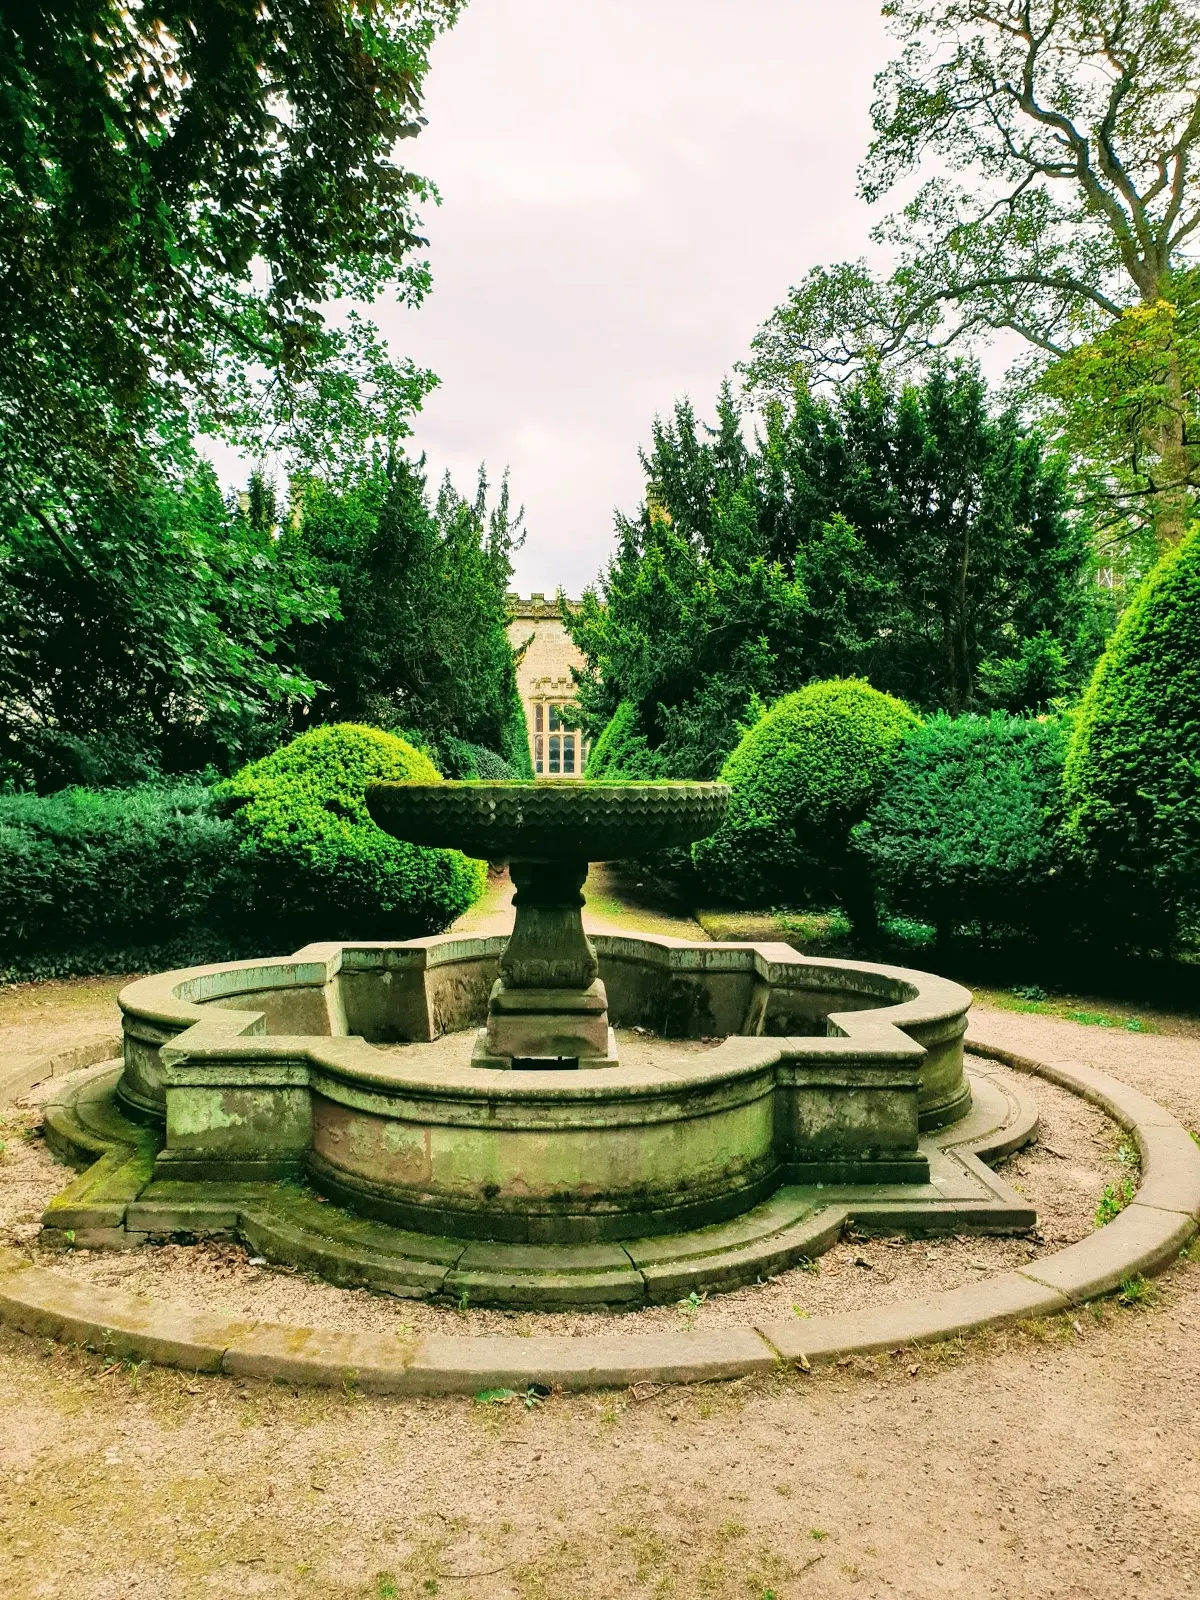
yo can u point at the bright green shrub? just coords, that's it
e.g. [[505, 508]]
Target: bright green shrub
[[316, 866], [1132, 781], [621, 751], [965, 828], [514, 738], [802, 777], [114, 880]]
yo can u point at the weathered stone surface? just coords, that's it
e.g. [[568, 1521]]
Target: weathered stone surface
[[12, 1261], [51, 1306], [530, 821], [1140, 1242], [349, 1262], [377, 1363], [1170, 1169], [17, 1077], [465, 1366], [99, 1197], [546, 1275], [1008, 1297]]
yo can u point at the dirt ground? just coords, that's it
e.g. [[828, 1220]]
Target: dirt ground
[[1058, 1459]]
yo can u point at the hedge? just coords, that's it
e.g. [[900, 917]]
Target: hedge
[[466, 761], [965, 830], [114, 880], [802, 777], [315, 866], [621, 751], [1132, 780]]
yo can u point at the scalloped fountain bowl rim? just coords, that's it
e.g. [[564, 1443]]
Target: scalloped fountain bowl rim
[[548, 819]]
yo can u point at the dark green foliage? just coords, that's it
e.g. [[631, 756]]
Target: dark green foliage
[[164, 649], [183, 189], [459, 759], [904, 535], [621, 750], [1132, 782], [694, 619], [802, 777], [965, 829], [115, 881], [514, 738], [421, 645], [314, 865]]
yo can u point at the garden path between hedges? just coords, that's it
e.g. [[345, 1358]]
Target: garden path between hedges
[[1058, 1460]]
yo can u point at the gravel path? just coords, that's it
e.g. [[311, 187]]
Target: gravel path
[[1055, 1461]]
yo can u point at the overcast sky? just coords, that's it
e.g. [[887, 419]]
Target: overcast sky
[[628, 188]]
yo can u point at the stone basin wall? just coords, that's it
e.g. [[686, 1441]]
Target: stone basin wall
[[265, 1069]]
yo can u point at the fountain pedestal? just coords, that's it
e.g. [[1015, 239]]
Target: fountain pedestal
[[548, 1008]]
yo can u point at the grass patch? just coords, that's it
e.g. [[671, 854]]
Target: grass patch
[[1113, 1200], [1137, 1293]]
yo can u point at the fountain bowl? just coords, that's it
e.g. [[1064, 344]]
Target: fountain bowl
[[560, 820]]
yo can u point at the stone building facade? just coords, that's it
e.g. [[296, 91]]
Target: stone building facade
[[546, 686]]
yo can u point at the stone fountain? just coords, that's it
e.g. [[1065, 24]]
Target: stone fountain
[[455, 1116], [548, 1007]]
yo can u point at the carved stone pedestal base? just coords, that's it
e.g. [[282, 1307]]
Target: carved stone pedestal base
[[546, 1028]]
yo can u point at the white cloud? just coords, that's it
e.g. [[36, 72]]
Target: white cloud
[[629, 187]]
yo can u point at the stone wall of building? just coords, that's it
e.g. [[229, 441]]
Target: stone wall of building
[[545, 683]]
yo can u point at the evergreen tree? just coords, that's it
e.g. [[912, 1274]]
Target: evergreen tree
[[421, 643], [906, 535]]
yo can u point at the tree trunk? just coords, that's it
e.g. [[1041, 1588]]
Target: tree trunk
[[1167, 439]]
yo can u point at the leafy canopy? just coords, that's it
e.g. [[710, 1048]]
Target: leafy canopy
[[184, 187], [421, 642], [1066, 133], [167, 650]]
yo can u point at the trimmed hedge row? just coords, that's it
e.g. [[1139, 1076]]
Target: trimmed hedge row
[[1132, 781], [967, 829], [128, 880], [1085, 826], [113, 880], [312, 863]]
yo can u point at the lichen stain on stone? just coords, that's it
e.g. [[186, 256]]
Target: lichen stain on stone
[[201, 1113]]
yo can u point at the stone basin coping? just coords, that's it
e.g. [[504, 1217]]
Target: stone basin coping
[[181, 1000], [248, 1010]]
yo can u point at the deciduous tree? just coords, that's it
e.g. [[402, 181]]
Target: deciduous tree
[[1065, 209]]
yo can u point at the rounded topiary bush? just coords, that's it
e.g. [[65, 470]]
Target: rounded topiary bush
[[315, 866], [1132, 780], [802, 777], [965, 830]]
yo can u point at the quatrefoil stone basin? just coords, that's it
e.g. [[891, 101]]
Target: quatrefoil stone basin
[[563, 820]]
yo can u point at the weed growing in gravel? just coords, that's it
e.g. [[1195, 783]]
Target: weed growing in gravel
[[1137, 1292], [1115, 1198], [689, 1308]]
